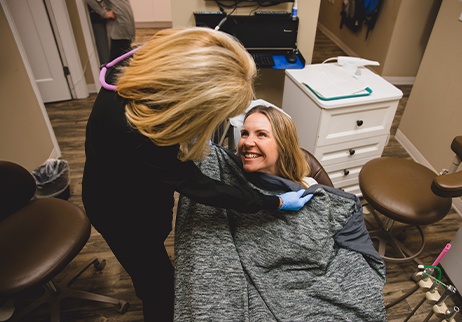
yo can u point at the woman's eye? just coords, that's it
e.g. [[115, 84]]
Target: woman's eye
[[244, 134], [261, 134]]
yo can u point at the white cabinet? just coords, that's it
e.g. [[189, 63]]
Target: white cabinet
[[343, 134]]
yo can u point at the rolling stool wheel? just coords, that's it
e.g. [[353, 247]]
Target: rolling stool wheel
[[398, 194]]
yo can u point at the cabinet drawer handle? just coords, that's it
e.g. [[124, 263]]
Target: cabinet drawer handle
[[346, 172], [351, 151], [359, 122]]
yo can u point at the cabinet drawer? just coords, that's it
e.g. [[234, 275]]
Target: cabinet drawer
[[351, 151], [357, 122], [346, 173], [351, 188]]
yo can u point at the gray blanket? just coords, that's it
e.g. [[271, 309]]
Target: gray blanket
[[317, 264]]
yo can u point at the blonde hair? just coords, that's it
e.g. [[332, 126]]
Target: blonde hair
[[291, 163], [183, 83]]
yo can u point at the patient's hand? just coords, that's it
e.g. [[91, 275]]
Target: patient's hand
[[293, 200]]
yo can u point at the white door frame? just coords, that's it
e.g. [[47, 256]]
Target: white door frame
[[56, 153], [68, 49], [93, 60]]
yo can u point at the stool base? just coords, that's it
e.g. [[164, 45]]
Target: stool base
[[387, 239]]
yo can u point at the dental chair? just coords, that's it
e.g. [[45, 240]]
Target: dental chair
[[38, 239], [317, 170], [403, 195]]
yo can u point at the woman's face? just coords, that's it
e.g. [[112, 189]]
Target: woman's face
[[257, 146]]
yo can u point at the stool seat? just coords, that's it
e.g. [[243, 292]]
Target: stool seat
[[54, 248], [401, 190], [402, 196], [38, 239]]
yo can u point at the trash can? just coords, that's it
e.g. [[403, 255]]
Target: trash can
[[52, 179]]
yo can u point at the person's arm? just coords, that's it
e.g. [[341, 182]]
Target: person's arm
[[99, 6], [187, 179], [160, 166], [241, 198], [203, 189]]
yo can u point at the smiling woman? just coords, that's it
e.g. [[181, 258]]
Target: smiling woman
[[257, 147], [269, 144], [267, 266]]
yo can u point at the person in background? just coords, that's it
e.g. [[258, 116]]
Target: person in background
[[99, 14], [120, 24], [141, 143]]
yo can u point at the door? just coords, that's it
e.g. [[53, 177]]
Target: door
[[34, 28]]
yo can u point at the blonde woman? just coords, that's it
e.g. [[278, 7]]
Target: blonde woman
[[156, 115]]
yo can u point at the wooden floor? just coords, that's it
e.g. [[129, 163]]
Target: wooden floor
[[68, 120]]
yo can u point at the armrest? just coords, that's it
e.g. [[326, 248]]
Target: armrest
[[448, 185]]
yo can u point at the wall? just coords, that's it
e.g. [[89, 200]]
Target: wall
[[398, 40], [25, 137], [270, 83], [152, 13], [433, 114]]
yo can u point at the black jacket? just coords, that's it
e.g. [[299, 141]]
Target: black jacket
[[125, 171]]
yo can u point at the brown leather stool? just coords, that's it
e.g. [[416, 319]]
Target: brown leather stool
[[38, 239], [409, 193]]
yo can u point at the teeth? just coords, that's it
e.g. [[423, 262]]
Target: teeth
[[251, 155]]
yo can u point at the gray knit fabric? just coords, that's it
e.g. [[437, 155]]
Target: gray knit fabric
[[310, 265]]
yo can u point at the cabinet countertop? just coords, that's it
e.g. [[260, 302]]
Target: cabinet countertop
[[382, 90]]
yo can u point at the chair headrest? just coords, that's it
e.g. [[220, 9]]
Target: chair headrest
[[449, 185], [456, 146], [238, 121]]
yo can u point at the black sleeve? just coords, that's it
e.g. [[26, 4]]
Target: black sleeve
[[117, 146], [201, 188], [187, 179]]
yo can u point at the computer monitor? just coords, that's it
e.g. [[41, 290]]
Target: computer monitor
[[259, 2], [256, 32]]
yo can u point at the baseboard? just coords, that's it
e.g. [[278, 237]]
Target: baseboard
[[395, 80], [336, 40], [418, 157], [55, 154], [400, 80], [153, 24]]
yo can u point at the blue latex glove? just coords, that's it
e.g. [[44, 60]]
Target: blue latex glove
[[293, 200]]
